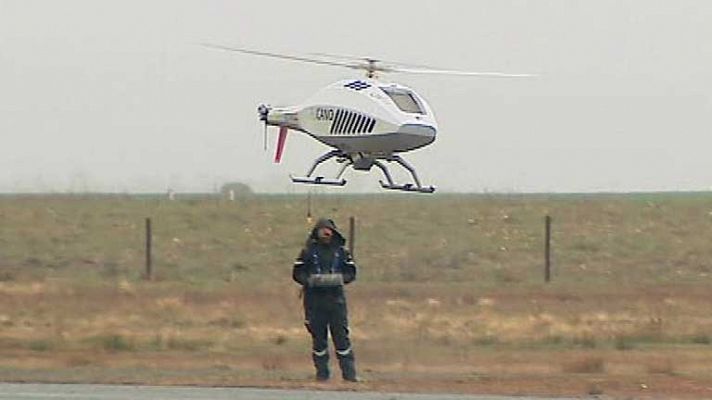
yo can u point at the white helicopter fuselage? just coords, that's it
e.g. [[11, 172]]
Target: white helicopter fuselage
[[362, 116], [366, 121]]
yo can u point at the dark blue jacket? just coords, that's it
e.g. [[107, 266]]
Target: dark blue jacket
[[318, 258]]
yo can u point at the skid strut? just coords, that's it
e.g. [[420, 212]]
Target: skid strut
[[408, 187], [320, 180]]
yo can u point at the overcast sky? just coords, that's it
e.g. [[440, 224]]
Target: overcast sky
[[117, 95]]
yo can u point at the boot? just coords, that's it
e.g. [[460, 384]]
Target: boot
[[322, 374], [348, 368], [321, 363]]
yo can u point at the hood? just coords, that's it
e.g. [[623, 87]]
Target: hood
[[337, 239]]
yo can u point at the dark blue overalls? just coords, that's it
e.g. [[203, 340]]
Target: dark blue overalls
[[325, 307]]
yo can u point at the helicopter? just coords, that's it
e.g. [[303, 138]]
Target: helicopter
[[367, 122]]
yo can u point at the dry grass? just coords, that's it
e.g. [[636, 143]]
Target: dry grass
[[460, 299], [664, 366], [585, 365], [624, 240]]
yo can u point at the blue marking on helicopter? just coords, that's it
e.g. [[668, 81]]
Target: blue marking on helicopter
[[358, 85]]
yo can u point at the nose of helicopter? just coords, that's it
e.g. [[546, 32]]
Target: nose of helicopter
[[417, 135], [427, 131]]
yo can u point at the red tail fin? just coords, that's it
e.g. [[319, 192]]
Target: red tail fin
[[280, 143]]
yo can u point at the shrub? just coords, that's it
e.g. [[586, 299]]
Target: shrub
[[41, 345], [624, 343], [115, 343], [701, 339], [586, 341]]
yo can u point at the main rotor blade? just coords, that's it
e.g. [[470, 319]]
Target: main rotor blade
[[410, 68], [346, 57], [458, 73], [284, 56], [365, 63]]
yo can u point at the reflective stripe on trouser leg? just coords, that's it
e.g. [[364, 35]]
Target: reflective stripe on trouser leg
[[343, 353], [320, 353]]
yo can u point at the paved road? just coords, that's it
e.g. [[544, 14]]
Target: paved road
[[111, 392]]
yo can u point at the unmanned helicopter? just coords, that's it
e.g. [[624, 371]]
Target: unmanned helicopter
[[366, 121]]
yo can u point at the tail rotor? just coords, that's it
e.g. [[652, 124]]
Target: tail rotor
[[263, 110]]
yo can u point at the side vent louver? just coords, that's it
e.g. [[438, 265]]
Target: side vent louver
[[357, 123], [352, 117], [335, 122], [349, 122], [362, 124]]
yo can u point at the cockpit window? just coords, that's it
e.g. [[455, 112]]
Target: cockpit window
[[404, 99]]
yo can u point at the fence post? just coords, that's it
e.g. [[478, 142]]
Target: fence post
[[547, 249], [352, 235], [149, 243]]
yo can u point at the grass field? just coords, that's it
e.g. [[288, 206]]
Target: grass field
[[450, 294]]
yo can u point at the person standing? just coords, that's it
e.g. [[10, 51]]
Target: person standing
[[323, 267]]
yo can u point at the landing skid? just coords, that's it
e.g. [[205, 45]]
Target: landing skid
[[361, 163], [319, 180], [408, 187]]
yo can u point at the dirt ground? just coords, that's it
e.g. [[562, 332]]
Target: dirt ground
[[641, 342], [502, 372]]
